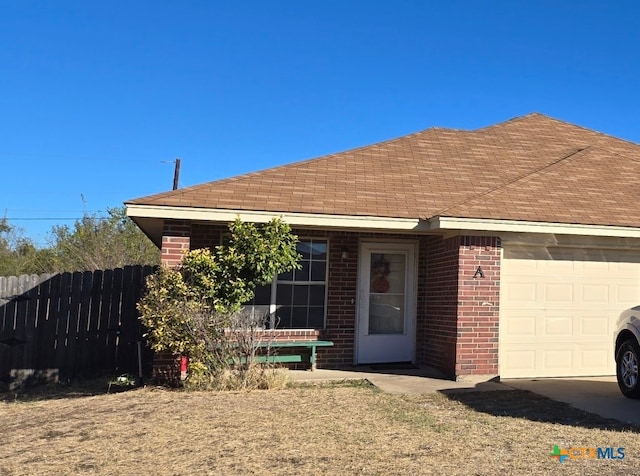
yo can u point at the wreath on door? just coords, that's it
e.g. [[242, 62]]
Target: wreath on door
[[381, 268]]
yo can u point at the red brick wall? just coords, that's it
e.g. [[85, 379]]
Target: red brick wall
[[206, 236], [478, 306], [422, 301], [460, 327], [439, 323], [166, 368], [340, 326], [175, 241], [342, 295], [457, 315]]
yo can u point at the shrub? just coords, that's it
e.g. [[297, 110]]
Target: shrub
[[196, 309]]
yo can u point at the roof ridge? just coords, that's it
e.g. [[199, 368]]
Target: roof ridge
[[556, 120], [593, 131], [512, 120]]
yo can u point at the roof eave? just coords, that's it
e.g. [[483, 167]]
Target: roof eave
[[516, 226], [150, 219], [146, 215]]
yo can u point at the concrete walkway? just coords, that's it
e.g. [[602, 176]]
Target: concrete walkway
[[408, 381]]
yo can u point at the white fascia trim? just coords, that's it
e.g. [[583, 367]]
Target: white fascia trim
[[479, 224], [294, 219]]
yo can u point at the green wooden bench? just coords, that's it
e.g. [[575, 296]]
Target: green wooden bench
[[306, 357]]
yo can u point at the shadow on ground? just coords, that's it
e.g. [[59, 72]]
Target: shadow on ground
[[60, 390], [401, 368], [533, 407]]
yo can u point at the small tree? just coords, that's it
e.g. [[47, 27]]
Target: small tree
[[196, 309], [96, 242], [18, 254]]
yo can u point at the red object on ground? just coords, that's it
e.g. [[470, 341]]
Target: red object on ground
[[184, 364]]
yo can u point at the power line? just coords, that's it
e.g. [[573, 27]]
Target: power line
[[77, 158], [51, 210], [51, 218]]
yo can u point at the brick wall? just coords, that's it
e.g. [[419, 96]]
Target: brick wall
[[460, 327], [166, 368], [439, 323], [342, 289], [175, 241], [457, 314], [422, 336], [206, 236], [342, 293], [478, 306], [341, 301]]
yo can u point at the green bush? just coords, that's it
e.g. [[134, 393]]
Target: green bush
[[196, 309]]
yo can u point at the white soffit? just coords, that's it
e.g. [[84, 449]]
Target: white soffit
[[442, 224], [294, 219], [513, 226]]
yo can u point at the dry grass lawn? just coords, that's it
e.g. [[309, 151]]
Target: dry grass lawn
[[333, 429]]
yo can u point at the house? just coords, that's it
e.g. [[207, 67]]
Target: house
[[507, 250]]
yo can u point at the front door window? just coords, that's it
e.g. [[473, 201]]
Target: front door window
[[387, 293]]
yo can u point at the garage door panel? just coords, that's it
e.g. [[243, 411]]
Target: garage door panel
[[557, 326], [627, 295], [543, 326], [558, 309], [522, 293], [523, 326], [596, 357], [599, 267], [560, 267], [558, 293], [557, 359], [596, 293], [517, 362], [595, 326]]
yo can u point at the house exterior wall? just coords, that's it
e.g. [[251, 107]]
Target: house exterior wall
[[176, 239], [457, 315], [342, 292], [460, 327], [478, 306], [438, 325]]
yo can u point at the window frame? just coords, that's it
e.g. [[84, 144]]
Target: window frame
[[273, 290]]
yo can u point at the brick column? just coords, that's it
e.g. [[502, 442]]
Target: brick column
[[176, 239], [478, 307]]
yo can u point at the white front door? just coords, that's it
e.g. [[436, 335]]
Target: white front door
[[387, 303]]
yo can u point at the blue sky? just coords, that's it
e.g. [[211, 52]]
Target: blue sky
[[97, 99]]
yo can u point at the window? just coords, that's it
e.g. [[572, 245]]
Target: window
[[297, 299]]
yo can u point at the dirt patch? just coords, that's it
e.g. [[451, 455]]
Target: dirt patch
[[328, 429]]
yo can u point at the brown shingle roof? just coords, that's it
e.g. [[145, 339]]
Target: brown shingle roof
[[532, 168]]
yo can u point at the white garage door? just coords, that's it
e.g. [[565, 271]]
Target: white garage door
[[558, 308]]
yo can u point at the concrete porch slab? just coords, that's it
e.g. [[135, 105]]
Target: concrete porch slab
[[402, 381]]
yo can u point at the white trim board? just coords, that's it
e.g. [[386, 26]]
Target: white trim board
[[354, 222]]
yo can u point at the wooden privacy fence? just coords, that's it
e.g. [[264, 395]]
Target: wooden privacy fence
[[71, 325]]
